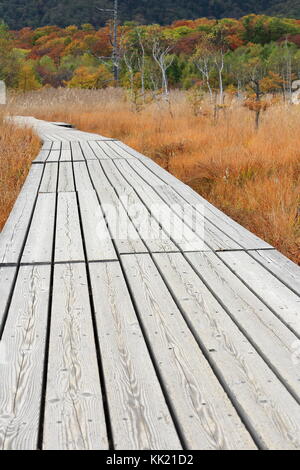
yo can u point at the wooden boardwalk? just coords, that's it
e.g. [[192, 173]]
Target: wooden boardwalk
[[136, 315]]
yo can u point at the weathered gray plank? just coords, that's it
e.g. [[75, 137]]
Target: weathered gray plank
[[122, 230], [21, 375], [87, 151], [33, 179], [139, 416], [74, 416], [65, 178], [120, 151], [82, 179], [175, 227], [68, 245], [112, 154], [65, 145], [13, 234], [97, 238], [49, 180], [54, 156], [56, 145], [149, 230], [262, 399], [276, 295], [7, 275], [77, 154], [215, 238], [47, 145], [267, 333], [205, 415], [66, 155], [39, 244], [98, 151], [42, 156], [281, 266]]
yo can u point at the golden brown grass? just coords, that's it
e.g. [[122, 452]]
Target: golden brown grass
[[17, 149], [252, 176]]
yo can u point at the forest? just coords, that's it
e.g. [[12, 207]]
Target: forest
[[255, 54], [35, 13]]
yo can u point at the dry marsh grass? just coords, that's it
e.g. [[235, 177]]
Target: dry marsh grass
[[17, 149], [253, 176]]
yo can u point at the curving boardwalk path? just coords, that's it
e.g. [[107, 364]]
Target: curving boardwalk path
[[136, 315]]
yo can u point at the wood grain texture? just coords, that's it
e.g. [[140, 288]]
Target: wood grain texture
[[39, 243], [49, 180], [270, 410], [21, 374], [215, 238], [148, 228], [65, 177], [98, 243], [68, 246], [82, 178], [122, 230], [7, 275], [280, 266], [54, 156], [276, 295], [47, 144], [174, 226], [66, 155], [205, 415], [13, 235], [98, 150], [119, 151], [77, 154], [268, 334], [87, 151], [74, 416], [139, 415]]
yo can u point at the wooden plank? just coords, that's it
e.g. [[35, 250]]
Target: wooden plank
[[66, 155], [65, 178], [177, 229], [87, 151], [21, 375], [65, 145], [98, 151], [14, 232], [33, 179], [82, 178], [262, 399], [240, 234], [120, 151], [74, 416], [56, 145], [7, 275], [129, 150], [215, 238], [77, 154], [231, 228], [42, 156], [47, 145], [49, 180], [267, 333], [54, 156], [68, 245], [112, 154], [122, 230], [97, 238], [39, 244], [283, 268], [149, 230], [204, 413], [140, 419], [276, 295]]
